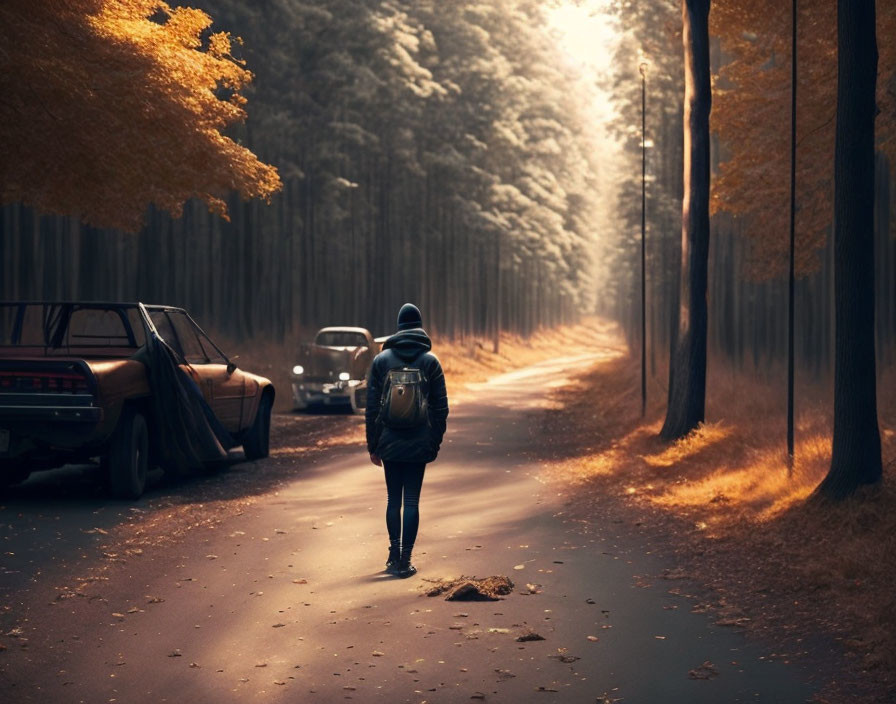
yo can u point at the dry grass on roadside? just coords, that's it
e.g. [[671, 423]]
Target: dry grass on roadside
[[725, 503]]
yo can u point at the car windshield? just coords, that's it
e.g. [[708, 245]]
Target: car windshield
[[340, 338], [68, 326]]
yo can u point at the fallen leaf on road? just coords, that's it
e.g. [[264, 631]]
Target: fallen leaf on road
[[117, 615], [175, 653], [477, 695], [278, 625], [261, 664], [377, 654], [706, 671], [519, 567], [593, 639], [193, 664], [499, 630], [529, 635], [545, 689], [589, 601], [735, 621], [212, 557], [280, 682], [563, 657], [133, 610], [154, 599], [300, 581]]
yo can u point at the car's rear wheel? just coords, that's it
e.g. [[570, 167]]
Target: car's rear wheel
[[128, 457], [257, 442]]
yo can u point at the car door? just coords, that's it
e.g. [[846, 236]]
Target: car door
[[224, 390], [165, 327]]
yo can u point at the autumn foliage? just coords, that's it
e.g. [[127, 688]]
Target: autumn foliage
[[109, 105], [751, 115]]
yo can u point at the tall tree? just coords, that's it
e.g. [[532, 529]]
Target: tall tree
[[687, 371], [109, 105], [856, 457]]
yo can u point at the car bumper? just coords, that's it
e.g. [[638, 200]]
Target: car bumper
[[17, 408], [72, 414], [46, 420], [304, 391], [317, 392]]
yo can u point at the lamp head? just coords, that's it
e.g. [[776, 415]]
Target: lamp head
[[642, 68]]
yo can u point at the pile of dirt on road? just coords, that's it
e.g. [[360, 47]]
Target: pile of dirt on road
[[724, 504], [471, 589]]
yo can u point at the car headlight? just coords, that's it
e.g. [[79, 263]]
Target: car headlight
[[344, 376], [298, 369]]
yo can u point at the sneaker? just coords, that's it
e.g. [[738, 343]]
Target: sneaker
[[405, 570], [393, 562]]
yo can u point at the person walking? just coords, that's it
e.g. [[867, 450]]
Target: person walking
[[406, 415]]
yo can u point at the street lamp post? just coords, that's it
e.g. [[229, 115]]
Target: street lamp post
[[643, 71], [790, 281]]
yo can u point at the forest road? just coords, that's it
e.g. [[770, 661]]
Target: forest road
[[287, 602]]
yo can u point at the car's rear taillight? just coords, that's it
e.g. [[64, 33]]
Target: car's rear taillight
[[46, 382]]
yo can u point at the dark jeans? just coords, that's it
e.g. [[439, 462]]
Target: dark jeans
[[403, 480]]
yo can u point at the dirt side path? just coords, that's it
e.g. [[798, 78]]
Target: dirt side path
[[284, 600]]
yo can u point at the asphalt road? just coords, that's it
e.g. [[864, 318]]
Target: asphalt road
[[285, 598]]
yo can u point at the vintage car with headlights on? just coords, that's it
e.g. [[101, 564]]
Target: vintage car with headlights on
[[125, 384], [332, 370]]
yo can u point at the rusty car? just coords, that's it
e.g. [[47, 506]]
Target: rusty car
[[332, 370], [128, 385]]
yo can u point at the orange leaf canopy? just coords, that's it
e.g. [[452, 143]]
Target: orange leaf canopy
[[109, 105]]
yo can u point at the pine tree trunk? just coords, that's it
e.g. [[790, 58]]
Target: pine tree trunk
[[856, 457], [687, 371]]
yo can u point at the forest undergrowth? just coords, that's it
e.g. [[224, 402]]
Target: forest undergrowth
[[809, 575]]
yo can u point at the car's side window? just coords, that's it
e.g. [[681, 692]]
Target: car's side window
[[89, 327], [192, 349], [214, 355], [165, 330], [136, 321]]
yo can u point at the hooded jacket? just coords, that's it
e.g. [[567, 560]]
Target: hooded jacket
[[409, 348]]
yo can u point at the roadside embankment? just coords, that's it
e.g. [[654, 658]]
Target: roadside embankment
[[738, 519]]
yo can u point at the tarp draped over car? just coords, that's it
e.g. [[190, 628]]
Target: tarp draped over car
[[190, 434]]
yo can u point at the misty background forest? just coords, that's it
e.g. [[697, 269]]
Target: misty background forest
[[459, 154], [482, 159]]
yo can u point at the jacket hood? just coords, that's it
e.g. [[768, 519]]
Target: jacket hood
[[409, 344]]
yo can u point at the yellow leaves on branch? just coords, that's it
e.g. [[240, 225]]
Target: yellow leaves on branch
[[751, 115], [109, 105]]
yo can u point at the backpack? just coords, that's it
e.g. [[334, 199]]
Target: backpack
[[403, 404]]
